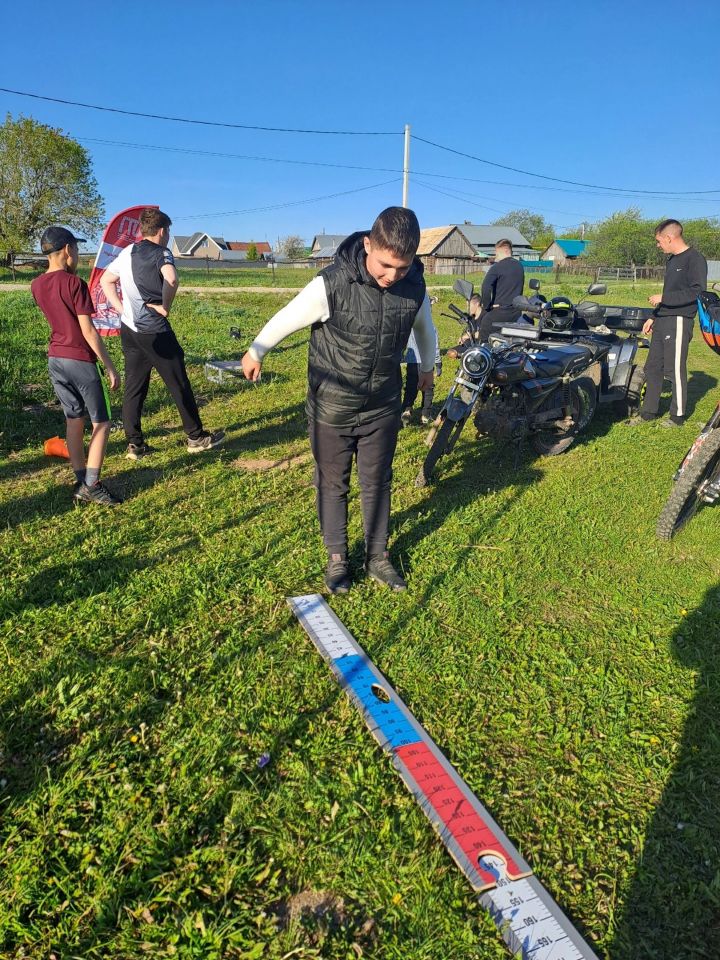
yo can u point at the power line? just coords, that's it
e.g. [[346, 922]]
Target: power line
[[237, 156], [204, 123], [542, 176], [290, 203], [348, 166], [463, 197]]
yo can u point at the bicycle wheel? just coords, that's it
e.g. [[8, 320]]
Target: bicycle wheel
[[686, 494]]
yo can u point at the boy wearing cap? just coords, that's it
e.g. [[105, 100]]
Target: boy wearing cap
[[75, 347]]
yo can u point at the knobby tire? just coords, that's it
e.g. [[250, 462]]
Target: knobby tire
[[684, 499], [437, 449]]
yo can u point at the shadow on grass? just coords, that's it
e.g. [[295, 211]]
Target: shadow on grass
[[673, 907]]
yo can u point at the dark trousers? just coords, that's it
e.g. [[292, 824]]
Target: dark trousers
[[373, 446], [143, 352], [492, 320], [667, 358], [411, 390]]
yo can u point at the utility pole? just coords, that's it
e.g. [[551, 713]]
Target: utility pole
[[406, 165]]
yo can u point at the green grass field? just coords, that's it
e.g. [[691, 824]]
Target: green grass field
[[565, 661]]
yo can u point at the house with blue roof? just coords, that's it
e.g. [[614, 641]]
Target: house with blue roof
[[561, 251]]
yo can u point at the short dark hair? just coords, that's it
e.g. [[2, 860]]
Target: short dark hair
[[663, 227], [396, 229], [504, 243], [152, 220]]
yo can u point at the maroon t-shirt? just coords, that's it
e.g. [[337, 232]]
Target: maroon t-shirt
[[63, 297]]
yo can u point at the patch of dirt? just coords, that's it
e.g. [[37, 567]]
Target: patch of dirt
[[260, 464], [321, 913]]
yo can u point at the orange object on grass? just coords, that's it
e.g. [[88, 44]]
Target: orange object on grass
[[56, 447]]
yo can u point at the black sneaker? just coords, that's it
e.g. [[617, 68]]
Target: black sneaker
[[136, 451], [207, 441], [96, 494], [670, 422], [337, 574], [379, 568]]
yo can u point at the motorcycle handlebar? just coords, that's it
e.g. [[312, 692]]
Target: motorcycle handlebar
[[456, 310]]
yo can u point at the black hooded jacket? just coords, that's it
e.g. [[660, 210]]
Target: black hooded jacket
[[354, 357]]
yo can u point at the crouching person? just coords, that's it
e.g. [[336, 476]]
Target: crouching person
[[361, 309]]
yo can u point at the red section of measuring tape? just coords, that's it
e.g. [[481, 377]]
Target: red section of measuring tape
[[473, 836]]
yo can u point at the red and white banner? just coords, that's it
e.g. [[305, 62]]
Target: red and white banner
[[123, 229]]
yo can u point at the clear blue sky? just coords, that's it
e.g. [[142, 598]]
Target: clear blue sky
[[615, 94]]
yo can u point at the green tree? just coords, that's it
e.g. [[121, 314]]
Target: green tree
[[625, 238], [292, 247], [704, 234], [45, 178], [252, 252], [531, 225]]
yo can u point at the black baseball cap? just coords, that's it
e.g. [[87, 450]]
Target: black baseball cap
[[55, 238]]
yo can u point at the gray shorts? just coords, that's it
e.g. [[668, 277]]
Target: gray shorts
[[79, 389]]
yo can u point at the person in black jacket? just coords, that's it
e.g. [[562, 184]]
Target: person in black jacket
[[503, 282], [672, 323], [361, 310]]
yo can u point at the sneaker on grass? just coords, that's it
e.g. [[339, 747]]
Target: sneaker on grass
[[136, 451], [337, 574], [379, 568], [96, 494], [206, 441]]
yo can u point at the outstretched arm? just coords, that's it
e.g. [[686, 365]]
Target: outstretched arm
[[308, 307]]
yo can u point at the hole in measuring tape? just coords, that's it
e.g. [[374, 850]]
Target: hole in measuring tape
[[382, 695], [493, 864]]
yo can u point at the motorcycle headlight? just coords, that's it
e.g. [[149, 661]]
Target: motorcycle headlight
[[477, 362]]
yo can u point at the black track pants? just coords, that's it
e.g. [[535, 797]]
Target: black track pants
[[373, 446], [492, 320], [668, 359], [143, 351]]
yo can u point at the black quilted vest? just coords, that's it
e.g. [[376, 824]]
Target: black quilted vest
[[354, 357]]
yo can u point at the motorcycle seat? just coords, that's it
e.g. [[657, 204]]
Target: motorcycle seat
[[556, 360]]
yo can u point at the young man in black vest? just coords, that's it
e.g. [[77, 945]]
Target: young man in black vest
[[361, 310]]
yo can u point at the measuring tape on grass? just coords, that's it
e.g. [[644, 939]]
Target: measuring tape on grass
[[529, 920]]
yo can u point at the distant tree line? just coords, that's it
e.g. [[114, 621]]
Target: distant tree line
[[625, 237]]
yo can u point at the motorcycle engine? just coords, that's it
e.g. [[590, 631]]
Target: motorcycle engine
[[502, 412]]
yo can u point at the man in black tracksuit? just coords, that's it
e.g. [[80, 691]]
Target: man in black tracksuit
[[672, 323], [361, 310]]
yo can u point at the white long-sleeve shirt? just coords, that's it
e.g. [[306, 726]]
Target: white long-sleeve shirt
[[311, 306]]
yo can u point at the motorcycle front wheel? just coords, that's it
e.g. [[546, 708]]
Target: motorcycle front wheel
[[554, 440], [687, 492], [442, 439]]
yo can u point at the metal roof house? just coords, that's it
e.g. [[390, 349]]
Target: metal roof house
[[483, 238], [203, 246], [199, 245], [263, 248], [560, 251], [324, 245]]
